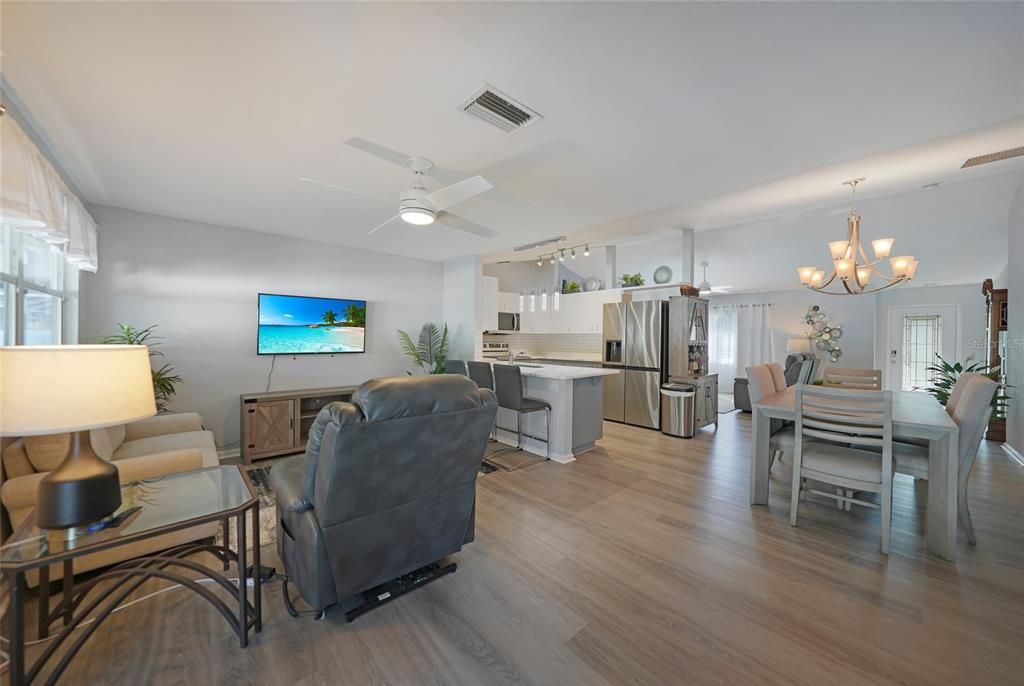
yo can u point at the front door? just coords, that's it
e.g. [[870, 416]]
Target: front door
[[916, 335]]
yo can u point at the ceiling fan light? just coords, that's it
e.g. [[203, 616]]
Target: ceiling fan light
[[805, 274], [838, 249], [417, 216], [882, 246], [704, 287]]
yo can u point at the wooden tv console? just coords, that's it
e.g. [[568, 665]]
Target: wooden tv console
[[277, 423]]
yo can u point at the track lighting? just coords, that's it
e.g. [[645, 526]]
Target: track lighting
[[586, 251], [573, 254], [561, 256]]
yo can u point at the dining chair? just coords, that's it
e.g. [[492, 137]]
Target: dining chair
[[910, 466], [836, 430], [761, 383], [971, 412], [862, 379], [483, 376], [455, 367]]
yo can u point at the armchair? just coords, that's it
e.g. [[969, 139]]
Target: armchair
[[387, 485]]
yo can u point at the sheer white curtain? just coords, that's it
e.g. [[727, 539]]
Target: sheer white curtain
[[740, 336]]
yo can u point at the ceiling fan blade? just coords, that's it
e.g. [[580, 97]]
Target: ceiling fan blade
[[460, 224], [393, 156], [347, 190], [386, 221], [459, 192]]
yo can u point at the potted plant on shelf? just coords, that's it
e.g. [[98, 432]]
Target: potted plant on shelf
[[572, 287], [632, 279], [430, 352]]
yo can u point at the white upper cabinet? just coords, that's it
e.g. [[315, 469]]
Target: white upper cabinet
[[489, 304], [582, 312]]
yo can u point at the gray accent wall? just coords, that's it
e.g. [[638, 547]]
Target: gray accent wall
[[199, 283], [1015, 349]]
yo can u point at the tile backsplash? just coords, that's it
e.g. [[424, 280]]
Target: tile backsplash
[[550, 344]]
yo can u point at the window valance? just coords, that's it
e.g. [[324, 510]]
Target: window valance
[[34, 199]]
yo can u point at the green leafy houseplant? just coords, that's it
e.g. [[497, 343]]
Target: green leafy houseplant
[[572, 287], [632, 279], [164, 378], [430, 352], [946, 375]]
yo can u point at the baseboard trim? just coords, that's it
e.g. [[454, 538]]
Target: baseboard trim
[[1014, 454], [229, 453]]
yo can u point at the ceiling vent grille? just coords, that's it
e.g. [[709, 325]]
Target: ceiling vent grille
[[993, 157], [497, 109]]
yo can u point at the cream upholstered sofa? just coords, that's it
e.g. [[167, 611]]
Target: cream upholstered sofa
[[164, 444]]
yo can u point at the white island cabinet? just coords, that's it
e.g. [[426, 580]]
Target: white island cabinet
[[577, 410]]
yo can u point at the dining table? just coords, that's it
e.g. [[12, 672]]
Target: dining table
[[914, 415]]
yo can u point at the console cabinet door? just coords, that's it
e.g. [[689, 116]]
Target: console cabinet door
[[270, 426]]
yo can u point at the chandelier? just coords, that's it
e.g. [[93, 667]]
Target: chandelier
[[851, 264]]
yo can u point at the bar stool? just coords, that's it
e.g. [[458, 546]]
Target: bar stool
[[508, 386], [481, 374], [455, 367]]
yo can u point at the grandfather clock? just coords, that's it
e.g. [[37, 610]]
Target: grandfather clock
[[995, 302]]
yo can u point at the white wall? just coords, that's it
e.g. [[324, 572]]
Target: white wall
[[463, 288], [199, 283], [517, 276], [856, 315], [647, 256], [1015, 334], [970, 304]]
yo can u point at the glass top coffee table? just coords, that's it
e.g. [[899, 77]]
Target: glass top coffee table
[[169, 504]]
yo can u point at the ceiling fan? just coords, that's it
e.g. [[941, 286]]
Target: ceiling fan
[[416, 205]]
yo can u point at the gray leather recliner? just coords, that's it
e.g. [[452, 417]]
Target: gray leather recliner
[[387, 485]]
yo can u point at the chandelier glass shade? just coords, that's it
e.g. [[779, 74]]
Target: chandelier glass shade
[[855, 272]]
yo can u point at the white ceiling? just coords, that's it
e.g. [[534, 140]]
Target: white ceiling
[[213, 111]]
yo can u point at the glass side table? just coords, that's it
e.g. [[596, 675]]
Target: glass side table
[[169, 503]]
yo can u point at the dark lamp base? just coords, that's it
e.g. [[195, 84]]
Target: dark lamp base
[[83, 489]]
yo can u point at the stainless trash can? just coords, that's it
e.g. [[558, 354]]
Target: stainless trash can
[[677, 415]]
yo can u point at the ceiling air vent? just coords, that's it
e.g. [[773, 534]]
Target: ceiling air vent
[[497, 109], [993, 157]]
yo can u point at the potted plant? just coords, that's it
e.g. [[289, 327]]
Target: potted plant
[[165, 379], [632, 279], [946, 375], [430, 352], [572, 287]]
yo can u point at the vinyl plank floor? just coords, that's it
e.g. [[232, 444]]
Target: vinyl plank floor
[[642, 563]]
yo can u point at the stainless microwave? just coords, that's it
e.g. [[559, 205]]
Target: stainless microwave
[[508, 322]]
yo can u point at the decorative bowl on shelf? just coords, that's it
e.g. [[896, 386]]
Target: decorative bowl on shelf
[[591, 284]]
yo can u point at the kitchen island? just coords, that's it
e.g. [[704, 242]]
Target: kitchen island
[[577, 409]]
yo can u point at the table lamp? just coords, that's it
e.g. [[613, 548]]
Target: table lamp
[[798, 345], [74, 388]]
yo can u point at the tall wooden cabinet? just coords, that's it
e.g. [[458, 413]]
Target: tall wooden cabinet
[[277, 423]]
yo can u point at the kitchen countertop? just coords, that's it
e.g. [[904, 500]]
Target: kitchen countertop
[[554, 371]]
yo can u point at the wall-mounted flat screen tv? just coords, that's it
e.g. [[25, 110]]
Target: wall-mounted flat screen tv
[[298, 325]]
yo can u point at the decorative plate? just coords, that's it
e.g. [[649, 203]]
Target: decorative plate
[[663, 274], [591, 284]]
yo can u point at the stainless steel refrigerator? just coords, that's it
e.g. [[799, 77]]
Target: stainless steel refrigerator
[[633, 336]]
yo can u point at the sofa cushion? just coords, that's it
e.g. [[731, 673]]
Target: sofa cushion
[[47, 452], [203, 440], [106, 441]]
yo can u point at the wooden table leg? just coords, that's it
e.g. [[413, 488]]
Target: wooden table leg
[[943, 460], [759, 458], [43, 609]]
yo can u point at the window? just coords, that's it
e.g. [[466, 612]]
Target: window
[[922, 336], [32, 289]]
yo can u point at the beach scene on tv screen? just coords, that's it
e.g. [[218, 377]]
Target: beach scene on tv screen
[[291, 324]]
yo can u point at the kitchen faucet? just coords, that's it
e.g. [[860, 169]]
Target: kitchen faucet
[[512, 358]]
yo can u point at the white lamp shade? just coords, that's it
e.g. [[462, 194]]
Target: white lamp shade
[[58, 388], [798, 345], [838, 249]]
